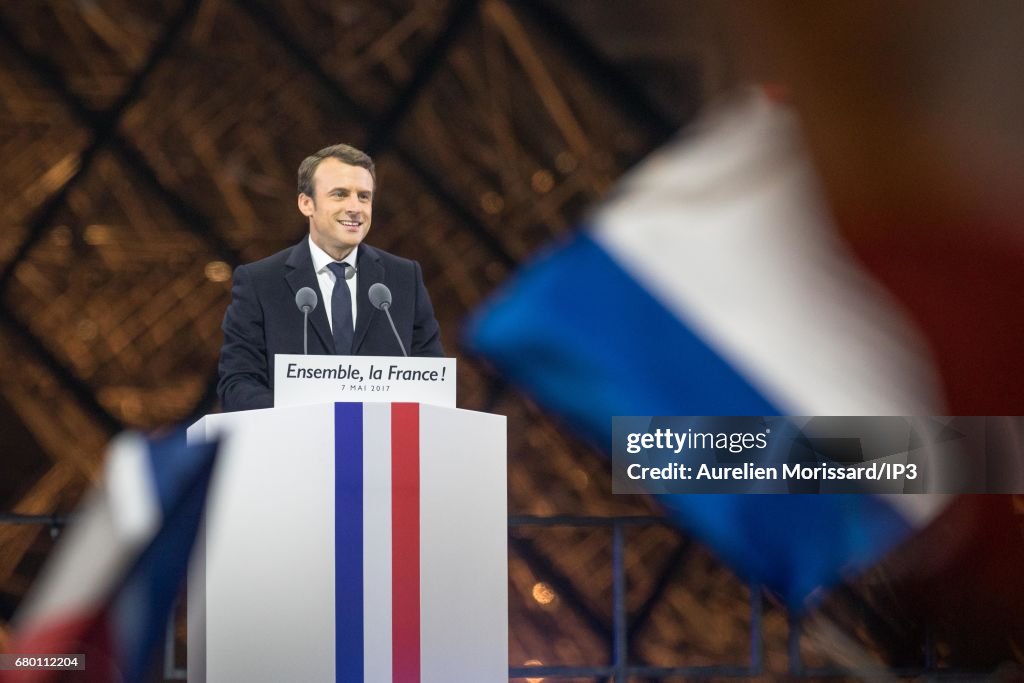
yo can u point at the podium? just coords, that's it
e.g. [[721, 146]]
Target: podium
[[352, 542]]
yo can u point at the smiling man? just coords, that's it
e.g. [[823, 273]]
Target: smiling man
[[336, 190]]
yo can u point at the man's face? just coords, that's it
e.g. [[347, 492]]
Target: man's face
[[339, 212]]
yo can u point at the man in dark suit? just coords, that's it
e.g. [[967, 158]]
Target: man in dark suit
[[335, 193]]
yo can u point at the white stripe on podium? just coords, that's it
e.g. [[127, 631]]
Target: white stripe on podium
[[377, 541]]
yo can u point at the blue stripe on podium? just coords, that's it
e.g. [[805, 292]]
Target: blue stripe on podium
[[348, 541]]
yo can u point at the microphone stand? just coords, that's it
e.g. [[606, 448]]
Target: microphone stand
[[387, 310], [305, 330]]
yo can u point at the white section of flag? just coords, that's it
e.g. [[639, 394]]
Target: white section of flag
[[116, 521], [728, 230]]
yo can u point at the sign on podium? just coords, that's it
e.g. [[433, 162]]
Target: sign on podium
[[302, 380]]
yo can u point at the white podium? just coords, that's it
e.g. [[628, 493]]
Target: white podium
[[352, 542]]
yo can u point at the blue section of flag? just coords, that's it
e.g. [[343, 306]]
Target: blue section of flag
[[176, 467], [141, 606], [587, 341], [348, 541], [581, 333]]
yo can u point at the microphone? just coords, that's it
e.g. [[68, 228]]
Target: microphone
[[380, 297], [305, 299]]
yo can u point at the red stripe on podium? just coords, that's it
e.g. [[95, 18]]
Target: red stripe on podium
[[405, 542]]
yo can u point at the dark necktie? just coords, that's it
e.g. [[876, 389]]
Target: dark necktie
[[341, 310]]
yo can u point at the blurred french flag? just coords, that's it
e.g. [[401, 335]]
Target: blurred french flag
[[109, 587], [713, 283]]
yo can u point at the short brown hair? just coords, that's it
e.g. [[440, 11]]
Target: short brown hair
[[346, 154]]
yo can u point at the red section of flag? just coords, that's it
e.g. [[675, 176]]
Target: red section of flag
[[405, 541], [84, 635], [962, 285]]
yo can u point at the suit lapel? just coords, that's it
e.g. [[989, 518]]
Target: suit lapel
[[299, 273], [370, 271]]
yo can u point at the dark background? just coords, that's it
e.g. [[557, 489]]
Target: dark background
[[150, 147]]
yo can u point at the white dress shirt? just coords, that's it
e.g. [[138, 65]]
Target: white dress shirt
[[325, 277]]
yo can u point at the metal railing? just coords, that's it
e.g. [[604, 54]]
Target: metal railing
[[620, 668]]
